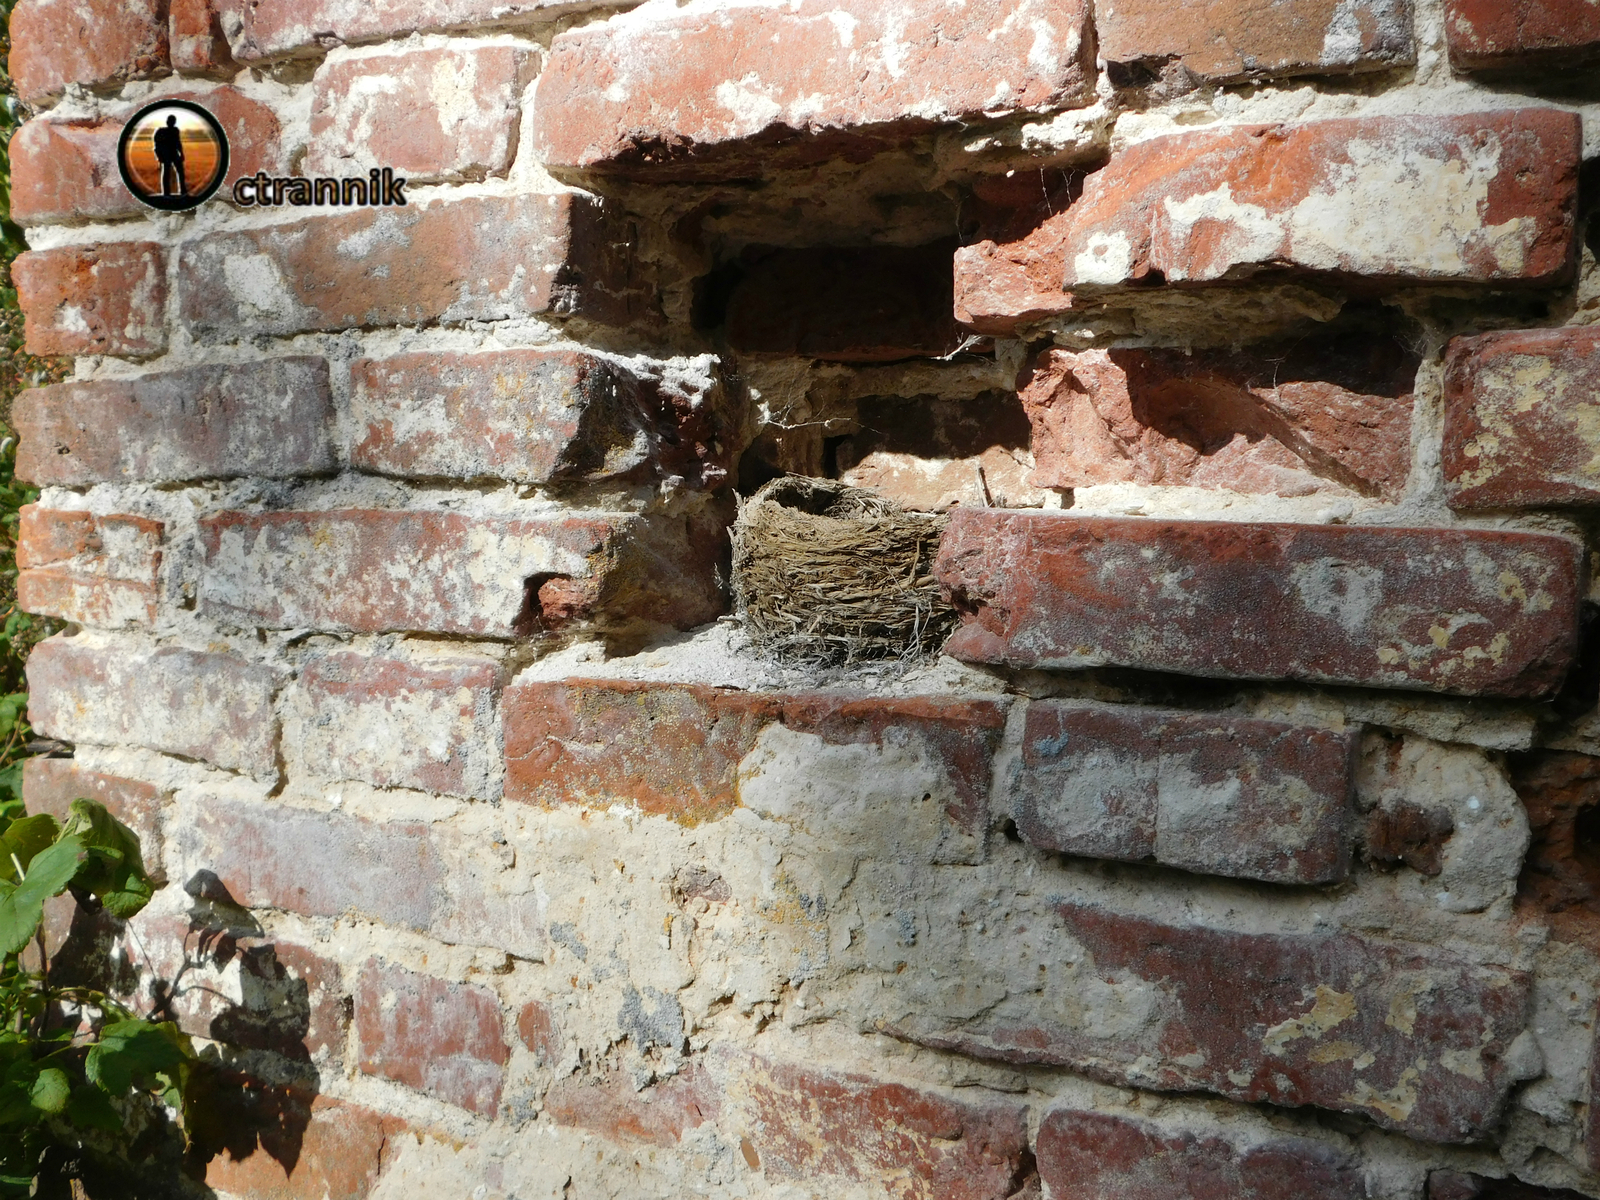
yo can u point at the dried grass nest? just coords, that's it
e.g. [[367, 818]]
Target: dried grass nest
[[827, 574]]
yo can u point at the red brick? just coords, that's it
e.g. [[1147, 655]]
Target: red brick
[[66, 170], [674, 749], [51, 785], [542, 416], [291, 1000], [106, 299], [611, 1106], [927, 453], [275, 1142], [1464, 611], [1520, 419], [1560, 881], [1215, 794], [393, 723], [196, 40], [536, 1026], [1411, 1037], [1500, 35], [371, 571], [481, 259], [269, 418], [94, 570], [216, 707], [441, 1038], [807, 1124], [273, 28], [320, 864], [821, 79], [1229, 40], [1320, 415], [426, 114], [1335, 200], [99, 43], [1099, 1156], [868, 304]]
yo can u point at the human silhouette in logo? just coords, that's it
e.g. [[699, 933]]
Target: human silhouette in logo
[[169, 153]]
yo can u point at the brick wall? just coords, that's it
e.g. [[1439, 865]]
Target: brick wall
[[1244, 843]]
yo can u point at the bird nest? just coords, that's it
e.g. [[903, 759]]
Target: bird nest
[[826, 574]]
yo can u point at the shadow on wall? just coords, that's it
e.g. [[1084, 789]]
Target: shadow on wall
[[258, 1083]]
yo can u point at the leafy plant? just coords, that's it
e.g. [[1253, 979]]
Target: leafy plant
[[82, 1077]]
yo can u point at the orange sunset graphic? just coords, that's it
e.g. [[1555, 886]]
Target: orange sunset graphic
[[173, 155]]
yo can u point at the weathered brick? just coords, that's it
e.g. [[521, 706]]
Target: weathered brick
[[1463, 611], [426, 114], [216, 707], [65, 170], [411, 875], [1101, 1156], [1560, 878], [441, 1038], [196, 42], [866, 304], [542, 416], [273, 28], [1410, 1036], [481, 259], [1502, 35], [536, 1026], [1332, 199], [1522, 427], [320, 864], [820, 79], [277, 1142], [106, 299], [57, 42], [927, 453], [1319, 415], [1215, 794], [51, 785], [393, 723], [675, 749], [613, 1107], [806, 1123], [373, 571], [270, 418], [94, 570], [237, 986], [1228, 40]]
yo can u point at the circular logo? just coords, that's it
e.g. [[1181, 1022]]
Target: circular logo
[[173, 155]]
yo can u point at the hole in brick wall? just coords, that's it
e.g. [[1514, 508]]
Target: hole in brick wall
[[1580, 692], [1561, 875], [1009, 829], [550, 602], [712, 294]]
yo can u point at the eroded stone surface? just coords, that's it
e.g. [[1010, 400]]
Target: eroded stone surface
[[270, 418], [1477, 613], [1337, 199], [1522, 419], [1218, 795], [1330, 417], [1411, 1037], [1228, 40], [655, 97]]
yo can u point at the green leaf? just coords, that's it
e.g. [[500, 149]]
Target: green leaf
[[51, 1090], [90, 1108], [113, 870], [134, 1050], [23, 839], [22, 905]]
